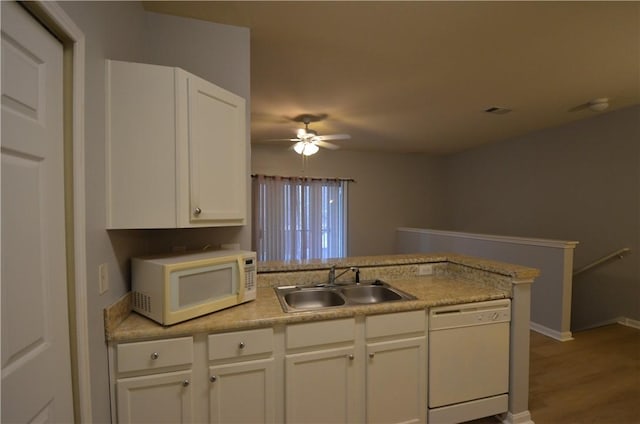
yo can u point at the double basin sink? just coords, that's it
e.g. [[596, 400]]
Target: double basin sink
[[305, 298]]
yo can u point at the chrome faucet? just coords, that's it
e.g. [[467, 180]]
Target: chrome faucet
[[333, 277]]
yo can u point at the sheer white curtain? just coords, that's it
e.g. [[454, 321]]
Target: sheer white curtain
[[299, 218]]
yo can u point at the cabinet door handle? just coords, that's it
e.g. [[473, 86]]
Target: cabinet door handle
[[241, 345], [185, 383], [371, 355], [154, 356], [351, 357], [197, 211], [213, 378]]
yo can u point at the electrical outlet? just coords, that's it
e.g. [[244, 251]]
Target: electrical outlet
[[425, 269], [103, 278]]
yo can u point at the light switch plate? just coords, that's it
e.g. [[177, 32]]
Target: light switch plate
[[103, 278]]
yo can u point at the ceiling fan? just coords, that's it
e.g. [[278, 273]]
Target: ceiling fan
[[595, 105], [308, 141]]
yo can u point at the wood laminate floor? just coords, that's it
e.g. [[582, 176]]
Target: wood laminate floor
[[594, 378]]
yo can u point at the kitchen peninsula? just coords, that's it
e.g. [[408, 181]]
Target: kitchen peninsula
[[261, 340]]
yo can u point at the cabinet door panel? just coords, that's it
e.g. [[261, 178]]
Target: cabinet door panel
[[140, 146], [216, 133], [160, 398], [396, 381], [320, 387], [242, 393]]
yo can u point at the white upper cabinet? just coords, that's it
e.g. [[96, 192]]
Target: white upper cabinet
[[176, 150]]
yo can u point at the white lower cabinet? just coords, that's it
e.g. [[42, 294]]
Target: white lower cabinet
[[321, 387], [158, 398], [220, 378], [320, 373], [242, 393], [396, 389], [396, 368], [366, 369], [241, 387], [154, 381]]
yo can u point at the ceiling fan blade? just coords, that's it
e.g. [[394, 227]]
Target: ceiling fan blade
[[282, 139], [326, 145], [579, 107], [333, 137]]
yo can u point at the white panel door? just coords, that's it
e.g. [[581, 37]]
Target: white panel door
[[36, 369]]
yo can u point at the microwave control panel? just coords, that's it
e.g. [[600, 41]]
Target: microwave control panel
[[250, 277]]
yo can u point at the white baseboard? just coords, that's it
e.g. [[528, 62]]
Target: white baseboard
[[519, 418], [563, 336], [629, 322], [620, 320]]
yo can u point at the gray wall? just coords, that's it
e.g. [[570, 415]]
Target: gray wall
[[390, 191], [123, 31], [576, 182]]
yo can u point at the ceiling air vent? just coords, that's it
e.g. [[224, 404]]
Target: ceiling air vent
[[498, 110]]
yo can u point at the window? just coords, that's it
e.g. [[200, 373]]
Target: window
[[299, 218]]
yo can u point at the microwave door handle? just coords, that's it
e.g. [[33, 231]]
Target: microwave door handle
[[241, 280]]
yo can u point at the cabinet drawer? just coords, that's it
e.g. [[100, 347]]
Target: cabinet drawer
[[240, 343], [319, 333], [396, 324], [154, 354]]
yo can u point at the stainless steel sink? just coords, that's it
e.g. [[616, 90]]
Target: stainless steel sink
[[370, 294], [313, 298], [305, 298]]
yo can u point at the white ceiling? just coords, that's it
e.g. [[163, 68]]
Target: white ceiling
[[417, 76]]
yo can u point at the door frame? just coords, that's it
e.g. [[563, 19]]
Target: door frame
[[53, 17]]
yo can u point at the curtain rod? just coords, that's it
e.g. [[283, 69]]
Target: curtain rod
[[349, 180]]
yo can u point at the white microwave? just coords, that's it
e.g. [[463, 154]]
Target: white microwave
[[174, 288]]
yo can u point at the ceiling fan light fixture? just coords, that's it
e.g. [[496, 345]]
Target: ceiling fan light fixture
[[305, 148], [306, 133]]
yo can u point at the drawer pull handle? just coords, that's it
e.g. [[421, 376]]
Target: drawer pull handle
[[213, 378], [241, 345], [351, 357], [185, 383], [154, 356], [371, 355]]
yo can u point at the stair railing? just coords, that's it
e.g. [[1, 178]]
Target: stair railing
[[618, 254]]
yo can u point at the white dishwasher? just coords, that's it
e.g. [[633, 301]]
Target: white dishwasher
[[468, 361]]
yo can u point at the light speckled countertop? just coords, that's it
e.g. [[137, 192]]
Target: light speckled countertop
[[459, 279], [502, 268]]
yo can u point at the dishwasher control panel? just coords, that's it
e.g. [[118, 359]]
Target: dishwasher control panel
[[478, 313]]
